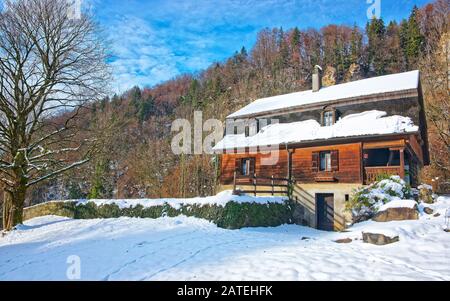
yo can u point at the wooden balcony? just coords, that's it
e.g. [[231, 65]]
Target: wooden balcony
[[371, 174], [261, 185]]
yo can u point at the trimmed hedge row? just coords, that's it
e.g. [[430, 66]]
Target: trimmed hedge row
[[232, 216]]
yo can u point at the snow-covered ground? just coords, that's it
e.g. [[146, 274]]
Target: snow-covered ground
[[185, 248]]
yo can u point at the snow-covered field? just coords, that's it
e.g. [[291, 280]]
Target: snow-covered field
[[185, 248]]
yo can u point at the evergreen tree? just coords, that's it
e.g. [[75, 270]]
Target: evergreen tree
[[356, 45], [295, 40], [75, 192], [193, 97], [98, 189], [394, 61], [135, 96], [244, 53], [295, 60], [411, 40], [240, 57], [376, 31], [146, 108], [282, 60]]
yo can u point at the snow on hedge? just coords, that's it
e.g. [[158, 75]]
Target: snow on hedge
[[220, 199], [361, 124]]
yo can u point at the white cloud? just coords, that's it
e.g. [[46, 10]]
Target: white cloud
[[156, 40], [140, 55]]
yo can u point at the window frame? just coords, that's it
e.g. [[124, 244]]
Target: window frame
[[328, 115], [328, 161], [247, 131], [247, 162]]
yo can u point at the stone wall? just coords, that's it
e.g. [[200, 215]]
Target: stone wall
[[232, 216], [306, 198]]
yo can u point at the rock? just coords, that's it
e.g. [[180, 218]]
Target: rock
[[397, 214], [428, 210], [353, 73], [329, 77], [426, 194], [343, 241], [379, 239], [305, 238], [437, 215]]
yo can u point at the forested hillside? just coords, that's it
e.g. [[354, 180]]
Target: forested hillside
[[133, 158]]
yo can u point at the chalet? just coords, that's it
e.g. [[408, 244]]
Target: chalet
[[326, 142]]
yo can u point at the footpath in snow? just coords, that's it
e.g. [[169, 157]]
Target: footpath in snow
[[183, 248]]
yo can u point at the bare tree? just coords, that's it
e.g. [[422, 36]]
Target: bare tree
[[435, 67], [50, 66]]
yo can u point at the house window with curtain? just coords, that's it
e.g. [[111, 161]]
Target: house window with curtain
[[328, 118], [245, 166], [325, 161]]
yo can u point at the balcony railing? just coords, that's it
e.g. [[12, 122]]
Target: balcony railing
[[371, 174], [261, 185]]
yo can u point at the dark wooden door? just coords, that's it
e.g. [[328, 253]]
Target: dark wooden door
[[325, 211]]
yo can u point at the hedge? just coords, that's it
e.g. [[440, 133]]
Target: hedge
[[232, 216]]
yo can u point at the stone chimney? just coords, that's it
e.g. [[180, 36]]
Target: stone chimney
[[317, 78]]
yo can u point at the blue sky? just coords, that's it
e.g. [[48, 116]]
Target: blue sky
[[153, 41]]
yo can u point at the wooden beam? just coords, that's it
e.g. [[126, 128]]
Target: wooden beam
[[402, 163], [385, 144]]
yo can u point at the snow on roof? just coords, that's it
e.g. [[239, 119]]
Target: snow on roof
[[371, 86], [362, 124]]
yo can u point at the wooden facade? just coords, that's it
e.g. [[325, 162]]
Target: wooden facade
[[345, 166], [348, 164], [320, 175]]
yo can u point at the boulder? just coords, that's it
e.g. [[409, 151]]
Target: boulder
[[343, 241], [437, 215], [397, 214], [379, 239], [329, 76], [426, 194], [353, 73], [428, 210]]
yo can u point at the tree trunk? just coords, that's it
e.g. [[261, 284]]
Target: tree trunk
[[13, 203]]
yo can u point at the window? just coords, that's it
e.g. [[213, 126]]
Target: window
[[247, 166], [325, 161], [328, 118], [247, 131]]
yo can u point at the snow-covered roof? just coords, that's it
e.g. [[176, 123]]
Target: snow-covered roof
[[366, 87], [370, 123]]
